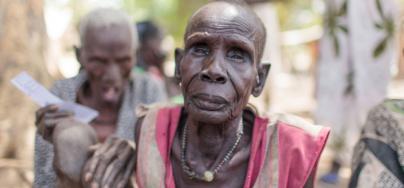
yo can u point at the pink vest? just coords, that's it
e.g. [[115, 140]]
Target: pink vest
[[284, 150]]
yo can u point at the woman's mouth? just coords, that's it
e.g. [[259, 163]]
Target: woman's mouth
[[209, 102]]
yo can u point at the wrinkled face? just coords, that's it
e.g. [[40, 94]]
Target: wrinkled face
[[218, 67], [108, 59]]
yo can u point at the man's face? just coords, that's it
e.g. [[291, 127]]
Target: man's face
[[107, 57], [218, 67]]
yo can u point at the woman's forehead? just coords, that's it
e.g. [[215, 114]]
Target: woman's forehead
[[220, 25], [222, 17], [225, 18], [223, 9]]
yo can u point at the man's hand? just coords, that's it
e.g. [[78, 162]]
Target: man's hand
[[111, 165], [46, 118]]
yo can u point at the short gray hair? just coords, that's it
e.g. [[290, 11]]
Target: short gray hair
[[106, 17]]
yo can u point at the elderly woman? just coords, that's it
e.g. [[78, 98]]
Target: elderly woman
[[215, 139]]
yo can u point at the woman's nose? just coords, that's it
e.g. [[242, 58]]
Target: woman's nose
[[213, 73]]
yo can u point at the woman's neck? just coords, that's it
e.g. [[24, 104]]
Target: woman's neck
[[210, 140]]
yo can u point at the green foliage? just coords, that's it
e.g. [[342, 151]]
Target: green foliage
[[333, 24], [379, 8], [336, 43], [387, 26], [395, 105], [381, 46]]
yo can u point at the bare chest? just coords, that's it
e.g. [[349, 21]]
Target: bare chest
[[104, 126], [232, 174], [106, 122]]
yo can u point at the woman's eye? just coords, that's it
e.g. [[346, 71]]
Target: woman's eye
[[236, 54], [200, 50]]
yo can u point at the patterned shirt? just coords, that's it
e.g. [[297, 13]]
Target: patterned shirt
[[142, 90], [378, 159]]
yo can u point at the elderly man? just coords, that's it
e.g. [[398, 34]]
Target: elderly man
[[105, 84], [215, 139]]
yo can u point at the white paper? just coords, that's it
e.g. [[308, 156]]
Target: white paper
[[82, 113], [43, 97]]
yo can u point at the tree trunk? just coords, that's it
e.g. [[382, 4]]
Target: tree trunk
[[22, 43]]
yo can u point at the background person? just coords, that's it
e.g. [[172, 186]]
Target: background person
[[105, 84]]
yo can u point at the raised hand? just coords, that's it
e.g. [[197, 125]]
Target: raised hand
[[46, 118]]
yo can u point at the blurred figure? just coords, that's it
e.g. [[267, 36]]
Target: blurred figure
[[105, 84], [150, 55], [353, 72], [378, 159], [151, 58]]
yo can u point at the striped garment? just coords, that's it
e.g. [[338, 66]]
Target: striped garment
[[142, 90], [284, 151]]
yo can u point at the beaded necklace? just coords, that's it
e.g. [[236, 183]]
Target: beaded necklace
[[208, 175]]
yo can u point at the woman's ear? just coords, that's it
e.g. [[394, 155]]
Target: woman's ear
[[179, 54], [263, 70]]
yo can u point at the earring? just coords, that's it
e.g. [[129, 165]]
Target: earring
[[257, 79], [180, 84]]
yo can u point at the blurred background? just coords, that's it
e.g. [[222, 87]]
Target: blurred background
[[38, 36]]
